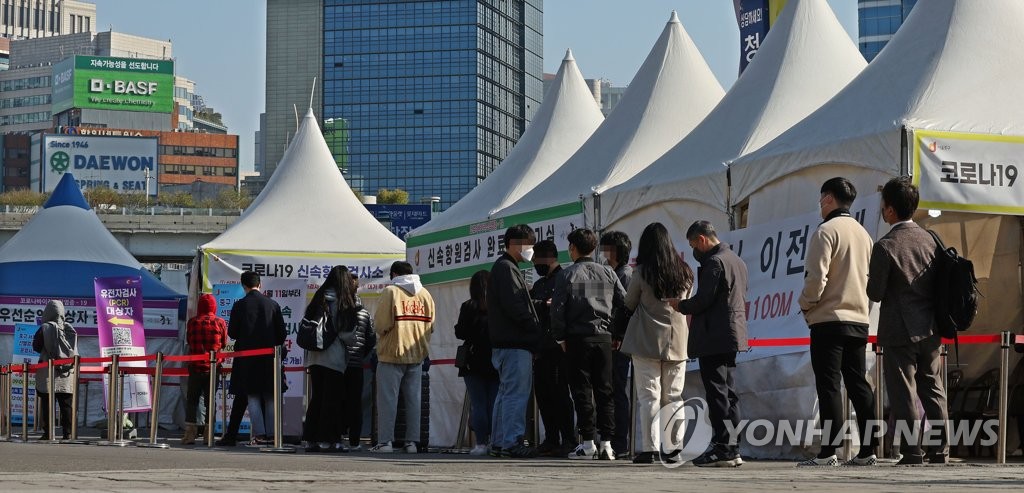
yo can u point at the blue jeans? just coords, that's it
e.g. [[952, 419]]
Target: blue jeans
[[482, 392], [515, 368]]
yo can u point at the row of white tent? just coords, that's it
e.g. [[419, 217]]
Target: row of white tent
[[806, 109]]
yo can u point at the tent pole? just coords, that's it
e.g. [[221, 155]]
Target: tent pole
[[597, 212], [904, 151], [730, 211]]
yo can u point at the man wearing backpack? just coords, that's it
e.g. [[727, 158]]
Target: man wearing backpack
[[55, 339], [901, 276]]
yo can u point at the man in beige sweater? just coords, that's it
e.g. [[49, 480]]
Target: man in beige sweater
[[835, 304], [404, 321]]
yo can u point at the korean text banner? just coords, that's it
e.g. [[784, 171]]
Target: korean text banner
[[774, 254], [119, 317], [457, 253], [119, 163], [226, 266], [160, 317], [226, 296], [23, 353], [969, 172]]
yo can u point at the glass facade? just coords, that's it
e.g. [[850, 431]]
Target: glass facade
[[877, 21], [435, 93]]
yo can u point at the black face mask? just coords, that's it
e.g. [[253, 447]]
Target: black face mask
[[542, 269]]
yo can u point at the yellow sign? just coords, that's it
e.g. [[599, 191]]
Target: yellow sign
[[967, 172]]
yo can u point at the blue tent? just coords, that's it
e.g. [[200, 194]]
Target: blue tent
[[60, 251]]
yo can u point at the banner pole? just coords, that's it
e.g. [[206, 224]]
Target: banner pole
[[223, 404], [5, 428], [1006, 343], [115, 419], [77, 379], [154, 412], [51, 427], [211, 408], [278, 447], [24, 402]]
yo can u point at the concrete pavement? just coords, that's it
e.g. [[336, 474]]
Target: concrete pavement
[[42, 467]]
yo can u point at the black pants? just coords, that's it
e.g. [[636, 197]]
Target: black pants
[[551, 388], [723, 403], [352, 404], [621, 364], [324, 413], [238, 407], [590, 376], [198, 391], [64, 405], [839, 359]]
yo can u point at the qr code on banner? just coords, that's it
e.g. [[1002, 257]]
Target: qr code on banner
[[122, 336]]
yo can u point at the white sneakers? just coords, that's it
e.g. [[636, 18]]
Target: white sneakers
[[382, 448], [588, 451], [410, 448], [480, 449], [605, 452]]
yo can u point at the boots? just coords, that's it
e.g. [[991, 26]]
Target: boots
[[190, 434]]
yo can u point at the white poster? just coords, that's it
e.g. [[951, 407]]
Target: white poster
[[119, 163], [969, 172], [775, 255], [23, 353]]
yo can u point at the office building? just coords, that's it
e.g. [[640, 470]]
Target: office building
[[25, 19], [877, 22], [435, 93]]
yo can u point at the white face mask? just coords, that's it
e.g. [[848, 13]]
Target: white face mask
[[528, 254]]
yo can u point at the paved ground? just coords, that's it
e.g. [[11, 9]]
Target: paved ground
[[42, 467]]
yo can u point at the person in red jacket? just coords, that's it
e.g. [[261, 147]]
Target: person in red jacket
[[204, 332]]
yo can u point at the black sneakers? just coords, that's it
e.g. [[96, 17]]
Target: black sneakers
[[521, 451], [719, 456]]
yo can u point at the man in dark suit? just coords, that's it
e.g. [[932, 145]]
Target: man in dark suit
[[717, 332], [901, 278], [256, 323]]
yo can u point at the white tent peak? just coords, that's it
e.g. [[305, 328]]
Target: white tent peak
[[568, 56], [806, 59], [674, 18], [308, 207], [955, 66], [566, 119], [672, 91]]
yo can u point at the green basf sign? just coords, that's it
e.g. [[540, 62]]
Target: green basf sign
[[111, 83]]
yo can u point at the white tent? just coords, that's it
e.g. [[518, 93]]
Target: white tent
[[806, 59], [670, 94], [953, 66], [567, 118], [564, 122]]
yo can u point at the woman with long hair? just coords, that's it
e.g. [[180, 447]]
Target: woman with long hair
[[359, 344], [479, 374], [656, 334], [336, 300]]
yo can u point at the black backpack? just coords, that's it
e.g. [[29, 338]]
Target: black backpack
[[956, 291]]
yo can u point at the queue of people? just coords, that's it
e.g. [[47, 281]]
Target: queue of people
[[575, 336]]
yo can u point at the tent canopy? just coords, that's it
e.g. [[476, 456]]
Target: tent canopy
[[564, 122], [308, 207], [670, 94], [64, 247], [955, 66], [806, 59]]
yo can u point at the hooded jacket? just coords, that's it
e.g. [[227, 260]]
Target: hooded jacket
[[404, 321], [205, 332], [45, 343]]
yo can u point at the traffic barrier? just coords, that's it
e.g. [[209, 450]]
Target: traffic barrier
[[278, 409], [154, 414]]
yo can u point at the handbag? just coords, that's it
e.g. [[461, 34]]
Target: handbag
[[462, 356]]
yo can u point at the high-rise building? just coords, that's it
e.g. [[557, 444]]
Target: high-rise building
[[435, 93], [877, 22], [294, 59], [337, 138], [22, 19]]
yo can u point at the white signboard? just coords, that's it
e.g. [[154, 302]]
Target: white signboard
[[969, 172], [119, 163]]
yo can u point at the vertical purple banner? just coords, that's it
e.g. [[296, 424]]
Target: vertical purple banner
[[753, 19], [121, 332]]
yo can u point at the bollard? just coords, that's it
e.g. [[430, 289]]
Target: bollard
[[154, 412], [306, 390], [536, 418], [223, 405], [211, 408], [24, 402], [632, 416], [51, 425], [847, 445], [944, 356], [879, 402], [77, 372], [1005, 343], [5, 426], [278, 408]]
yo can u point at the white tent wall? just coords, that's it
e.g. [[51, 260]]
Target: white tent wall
[[447, 390]]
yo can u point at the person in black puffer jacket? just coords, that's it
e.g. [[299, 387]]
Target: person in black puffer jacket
[[359, 345], [480, 376]]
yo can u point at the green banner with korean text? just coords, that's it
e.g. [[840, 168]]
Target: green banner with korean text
[[113, 83], [456, 253]]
